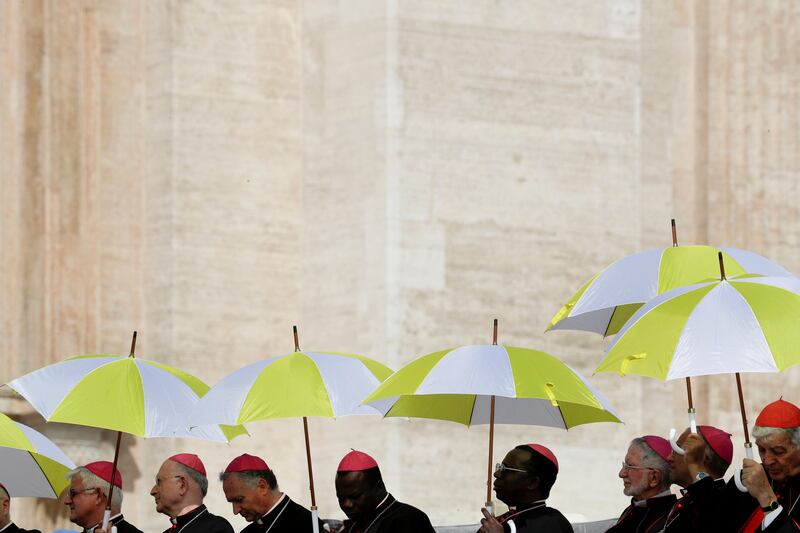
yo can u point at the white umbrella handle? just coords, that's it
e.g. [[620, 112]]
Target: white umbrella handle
[[106, 518], [673, 433], [737, 476], [489, 507], [315, 519]]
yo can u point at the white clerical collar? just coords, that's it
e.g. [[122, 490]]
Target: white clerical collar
[[643, 503], [277, 503], [383, 501], [513, 508], [110, 521]]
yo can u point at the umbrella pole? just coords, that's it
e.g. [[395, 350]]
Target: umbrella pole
[[314, 513], [674, 234], [690, 410], [489, 502], [748, 446], [107, 513]]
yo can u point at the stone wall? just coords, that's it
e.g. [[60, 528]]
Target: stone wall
[[390, 176]]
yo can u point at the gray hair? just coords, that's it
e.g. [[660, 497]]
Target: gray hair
[[763, 432], [651, 459], [198, 478], [92, 481], [4, 495]]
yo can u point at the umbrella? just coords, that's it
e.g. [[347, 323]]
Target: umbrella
[[605, 302], [611, 297], [488, 384], [299, 384], [123, 394], [725, 326], [30, 464]]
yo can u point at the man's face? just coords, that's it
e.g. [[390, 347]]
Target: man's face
[[85, 505], [5, 511], [250, 502], [357, 496], [637, 481], [168, 490], [779, 455], [511, 486], [678, 469]]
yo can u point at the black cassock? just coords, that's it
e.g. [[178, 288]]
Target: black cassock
[[700, 508], [123, 526], [12, 528], [391, 516], [534, 519], [286, 517], [200, 521], [742, 512], [647, 517]]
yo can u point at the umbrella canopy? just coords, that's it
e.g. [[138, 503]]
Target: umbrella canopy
[[744, 324], [473, 384], [299, 384], [605, 302], [531, 388], [126, 394], [30, 464]]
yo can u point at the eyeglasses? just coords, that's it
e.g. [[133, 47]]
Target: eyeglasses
[[626, 466], [500, 469], [160, 480], [73, 492]]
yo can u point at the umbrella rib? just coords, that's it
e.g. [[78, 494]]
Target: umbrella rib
[[472, 411], [610, 320], [561, 413], [46, 477]]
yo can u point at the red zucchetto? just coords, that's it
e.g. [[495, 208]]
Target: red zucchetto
[[246, 462], [356, 461], [189, 460], [779, 414]]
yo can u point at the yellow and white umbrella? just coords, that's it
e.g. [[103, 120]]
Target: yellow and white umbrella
[[30, 464]]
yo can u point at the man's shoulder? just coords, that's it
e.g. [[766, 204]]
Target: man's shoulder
[[218, 523], [296, 509], [13, 528], [123, 526], [407, 513], [543, 519]]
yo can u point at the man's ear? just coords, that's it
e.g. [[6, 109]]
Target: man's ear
[[655, 478], [535, 482], [263, 486]]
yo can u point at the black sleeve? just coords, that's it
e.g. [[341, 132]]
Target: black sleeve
[[707, 503]]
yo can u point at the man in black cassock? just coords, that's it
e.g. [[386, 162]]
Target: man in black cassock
[[368, 506], [181, 484], [6, 525], [88, 496], [252, 488], [523, 482], [700, 470], [645, 478], [773, 486]]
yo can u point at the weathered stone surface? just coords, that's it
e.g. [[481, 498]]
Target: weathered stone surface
[[390, 176]]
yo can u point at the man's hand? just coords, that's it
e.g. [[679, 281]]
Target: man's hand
[[695, 453], [755, 480], [489, 524]]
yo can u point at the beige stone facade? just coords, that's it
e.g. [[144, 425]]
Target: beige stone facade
[[390, 175]]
